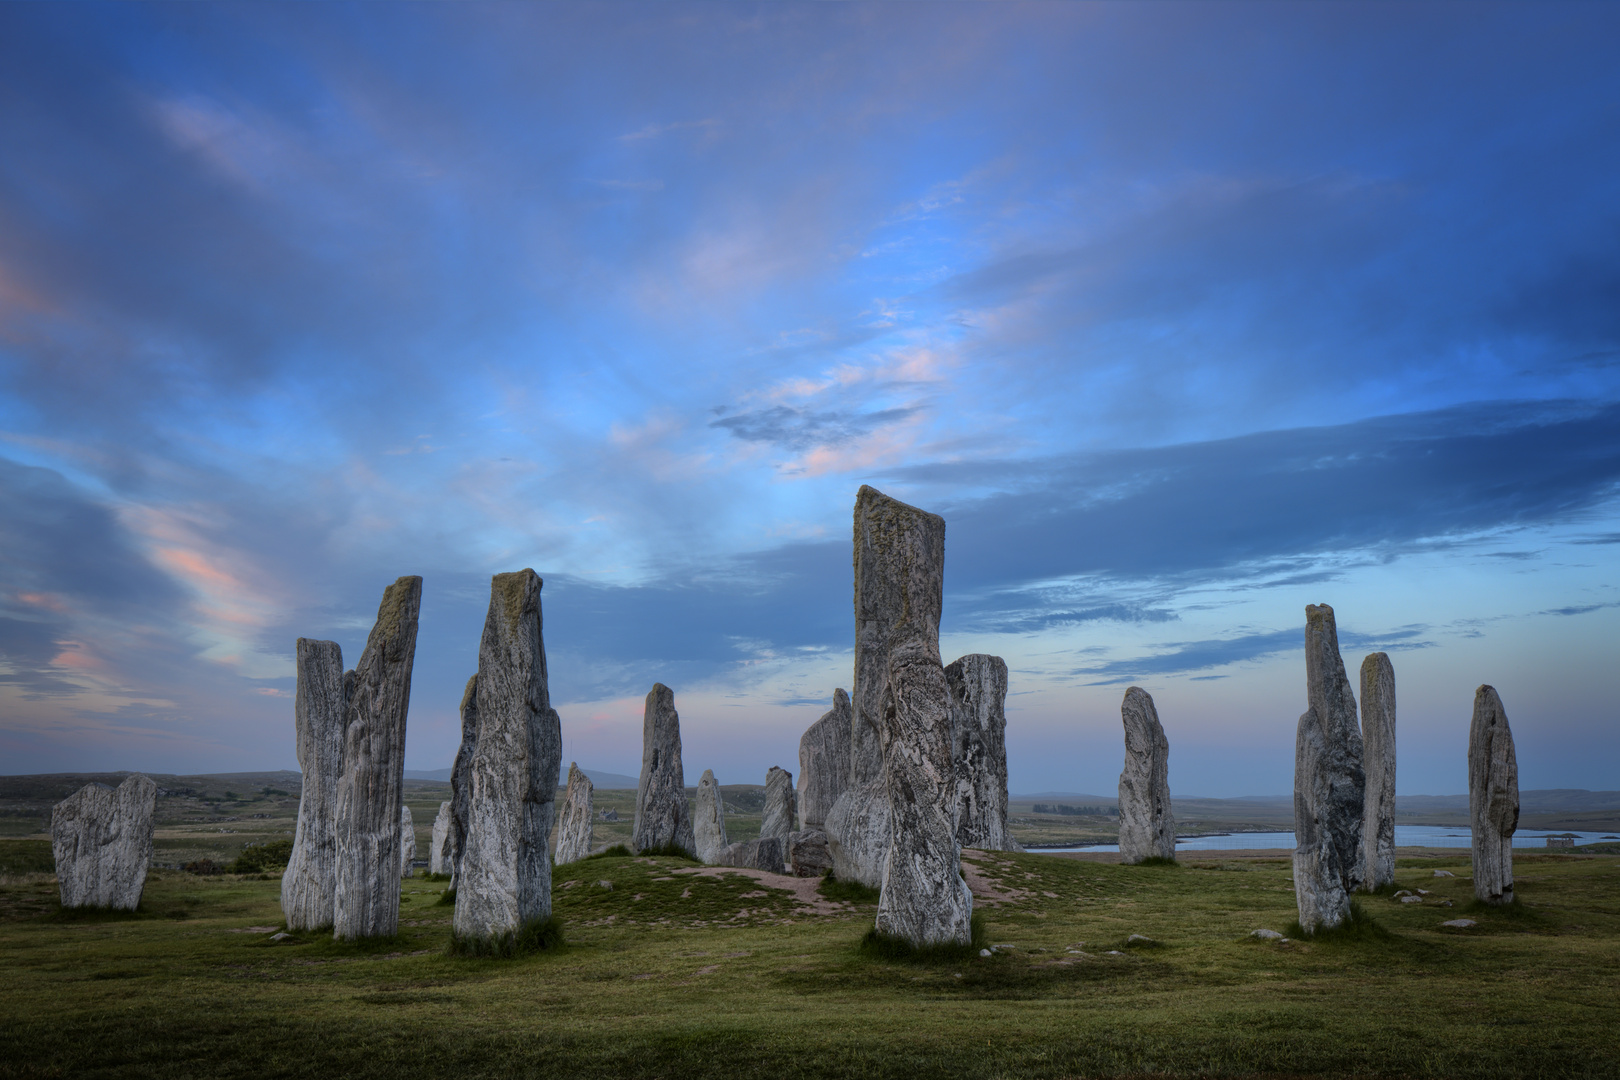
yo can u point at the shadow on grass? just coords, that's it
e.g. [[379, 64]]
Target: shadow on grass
[[540, 935], [663, 851], [851, 891], [1517, 913], [1156, 860], [1359, 928], [61, 914], [617, 851], [880, 946], [447, 898]]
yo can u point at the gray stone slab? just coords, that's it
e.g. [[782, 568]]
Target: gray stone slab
[[978, 688], [1378, 764], [824, 762], [309, 884], [461, 779], [407, 842], [709, 822], [766, 853], [1493, 797], [575, 829], [662, 815], [440, 855], [1147, 827], [101, 838], [778, 819]]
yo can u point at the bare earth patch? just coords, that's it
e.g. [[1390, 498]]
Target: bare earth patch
[[809, 901]]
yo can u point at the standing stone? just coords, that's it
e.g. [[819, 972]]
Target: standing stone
[[1493, 797], [461, 780], [310, 880], [661, 812], [979, 722], [1328, 782], [1378, 761], [1147, 828], [366, 899], [709, 823], [808, 854], [101, 838], [777, 820], [407, 842], [768, 853], [824, 762], [574, 831], [504, 882], [440, 857]]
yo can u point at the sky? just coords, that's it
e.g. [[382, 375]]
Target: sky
[[1182, 315]]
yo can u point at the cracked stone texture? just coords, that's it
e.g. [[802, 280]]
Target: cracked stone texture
[[924, 899], [1147, 827], [1378, 763], [461, 780], [575, 830], [857, 831], [504, 882], [808, 854], [440, 857], [1493, 797], [978, 685], [766, 853], [662, 816], [1328, 782], [824, 762], [709, 822], [366, 899], [778, 816], [101, 838], [309, 883], [407, 841]]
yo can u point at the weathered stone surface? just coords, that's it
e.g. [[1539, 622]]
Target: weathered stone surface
[[808, 854], [766, 853], [101, 838], [1147, 828], [504, 882], [407, 841], [1267, 935], [978, 685], [824, 763], [309, 883], [1460, 924], [857, 831], [709, 823], [662, 817], [1328, 782], [924, 899], [461, 780], [575, 829], [899, 576], [440, 856], [366, 900], [1378, 763], [778, 819], [1493, 797], [610, 815]]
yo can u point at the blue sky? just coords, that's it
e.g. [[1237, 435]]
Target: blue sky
[[1183, 315]]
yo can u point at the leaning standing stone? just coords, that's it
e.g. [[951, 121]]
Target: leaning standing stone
[[978, 685], [102, 840], [1328, 782], [1493, 797], [574, 830], [439, 854], [1378, 761], [709, 823], [407, 842], [778, 817], [461, 780], [310, 880], [366, 900], [824, 762], [504, 882], [661, 812], [1147, 828]]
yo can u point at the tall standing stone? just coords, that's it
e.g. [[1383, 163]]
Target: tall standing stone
[[461, 780], [504, 881], [575, 829], [1329, 784], [101, 838], [310, 880], [1378, 762], [978, 685], [662, 817], [1493, 797], [1147, 827], [824, 762], [440, 857], [777, 819], [709, 822], [407, 842], [366, 899]]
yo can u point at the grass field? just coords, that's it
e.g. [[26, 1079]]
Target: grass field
[[677, 970]]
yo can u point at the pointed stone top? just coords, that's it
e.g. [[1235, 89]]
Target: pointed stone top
[[660, 691], [840, 699], [708, 777]]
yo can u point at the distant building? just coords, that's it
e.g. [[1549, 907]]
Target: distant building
[[1565, 841]]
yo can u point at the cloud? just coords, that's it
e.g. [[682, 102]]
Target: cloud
[[798, 430]]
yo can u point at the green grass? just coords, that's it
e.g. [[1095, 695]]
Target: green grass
[[674, 970], [879, 946], [1359, 928], [616, 851], [852, 891], [535, 936]]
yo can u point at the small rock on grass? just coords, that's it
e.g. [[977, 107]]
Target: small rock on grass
[[984, 952], [1267, 935], [1411, 899], [606, 885], [1140, 939], [1444, 873], [1459, 924], [283, 936]]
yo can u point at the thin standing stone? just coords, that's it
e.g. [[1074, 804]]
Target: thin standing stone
[[709, 823], [575, 829], [662, 817], [504, 882], [1493, 797], [366, 900], [461, 780], [1378, 762], [407, 842], [1147, 826], [978, 684], [824, 762], [440, 857], [309, 883], [777, 819], [101, 839]]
